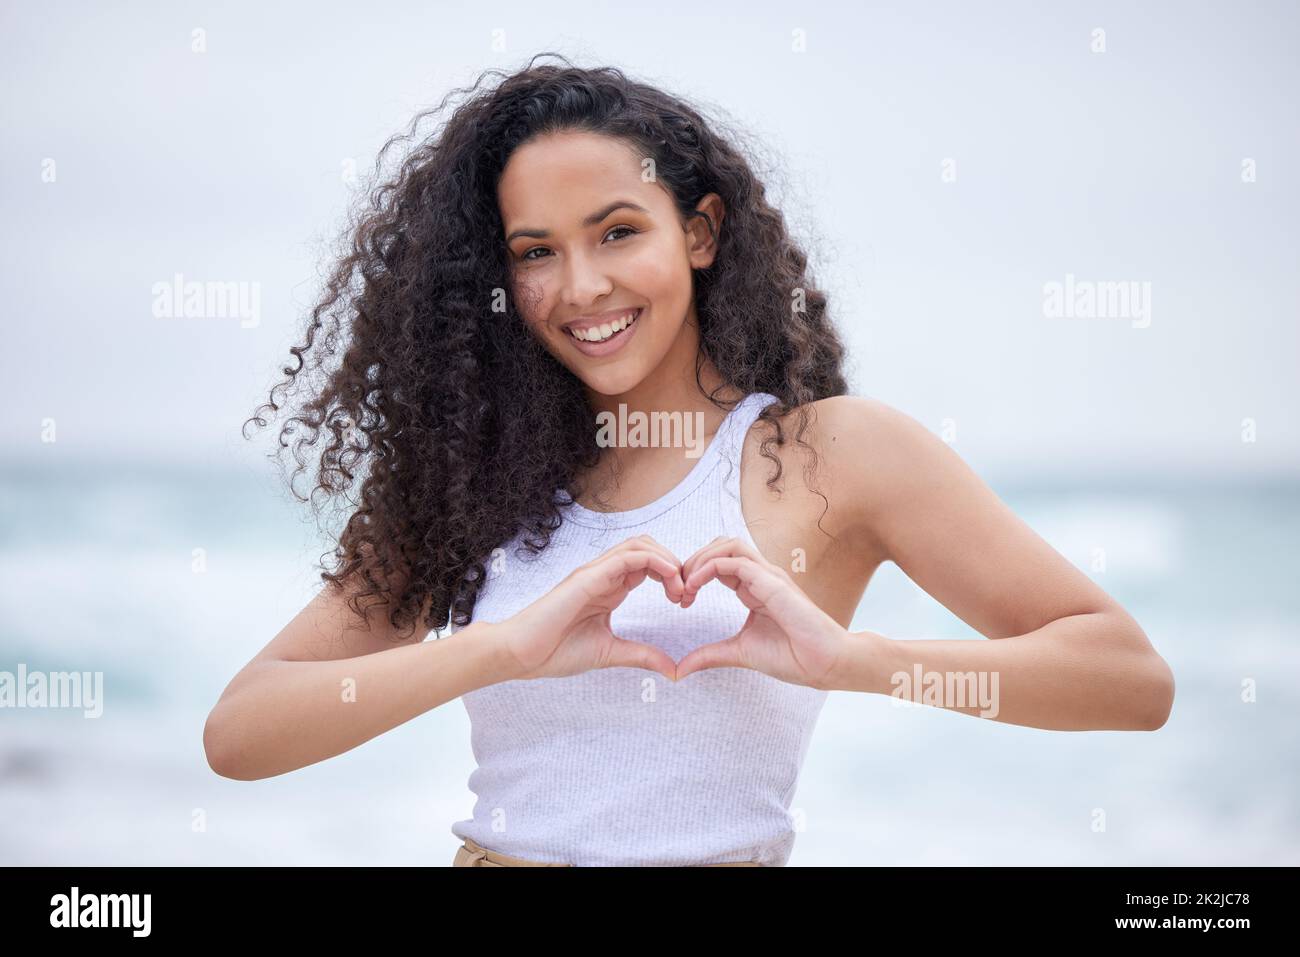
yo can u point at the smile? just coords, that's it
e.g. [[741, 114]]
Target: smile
[[607, 337]]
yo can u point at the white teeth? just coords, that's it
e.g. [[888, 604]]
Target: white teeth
[[605, 329]]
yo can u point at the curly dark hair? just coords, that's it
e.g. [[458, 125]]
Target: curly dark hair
[[461, 439]]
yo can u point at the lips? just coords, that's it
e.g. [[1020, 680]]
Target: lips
[[606, 346], [589, 329]]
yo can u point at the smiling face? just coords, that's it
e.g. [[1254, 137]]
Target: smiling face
[[601, 260]]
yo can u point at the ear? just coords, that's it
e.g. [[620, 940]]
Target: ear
[[701, 244]]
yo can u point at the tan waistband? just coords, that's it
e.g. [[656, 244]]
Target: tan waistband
[[471, 854]]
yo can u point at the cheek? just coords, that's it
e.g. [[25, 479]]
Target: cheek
[[658, 271], [529, 298]]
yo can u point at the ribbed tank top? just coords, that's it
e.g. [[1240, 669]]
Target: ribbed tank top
[[620, 766]]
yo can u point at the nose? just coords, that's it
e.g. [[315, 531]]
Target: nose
[[583, 281]]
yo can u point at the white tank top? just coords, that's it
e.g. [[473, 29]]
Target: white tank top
[[620, 766]]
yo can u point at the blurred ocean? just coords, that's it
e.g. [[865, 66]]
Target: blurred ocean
[[97, 574]]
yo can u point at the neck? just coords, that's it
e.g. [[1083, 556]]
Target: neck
[[672, 386]]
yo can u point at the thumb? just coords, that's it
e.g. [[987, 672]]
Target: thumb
[[718, 654], [634, 654]]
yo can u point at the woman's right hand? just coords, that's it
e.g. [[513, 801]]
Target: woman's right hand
[[567, 631]]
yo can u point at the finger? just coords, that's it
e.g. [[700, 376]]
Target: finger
[[638, 543], [733, 571], [667, 572], [633, 654], [672, 584], [704, 553], [756, 584], [616, 571], [718, 548], [719, 654], [664, 567]]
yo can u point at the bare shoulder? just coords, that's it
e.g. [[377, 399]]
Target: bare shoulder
[[871, 441], [864, 440], [924, 508], [862, 417], [851, 459], [873, 456]]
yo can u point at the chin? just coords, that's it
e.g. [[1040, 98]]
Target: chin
[[612, 383]]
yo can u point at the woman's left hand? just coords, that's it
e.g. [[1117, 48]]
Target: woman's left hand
[[786, 635]]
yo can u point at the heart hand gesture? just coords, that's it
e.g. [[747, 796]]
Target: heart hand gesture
[[567, 630], [786, 635]]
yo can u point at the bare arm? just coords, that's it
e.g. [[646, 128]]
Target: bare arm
[[326, 684], [1067, 655]]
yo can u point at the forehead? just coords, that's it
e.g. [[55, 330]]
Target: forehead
[[561, 177]]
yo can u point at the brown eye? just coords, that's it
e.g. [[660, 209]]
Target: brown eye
[[529, 257]]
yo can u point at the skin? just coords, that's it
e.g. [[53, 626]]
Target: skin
[[628, 259], [1066, 655]]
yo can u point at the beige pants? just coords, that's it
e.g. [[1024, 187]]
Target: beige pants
[[470, 854]]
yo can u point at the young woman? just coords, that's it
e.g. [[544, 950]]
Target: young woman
[[573, 347]]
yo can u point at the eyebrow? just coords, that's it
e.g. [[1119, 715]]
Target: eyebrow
[[591, 220]]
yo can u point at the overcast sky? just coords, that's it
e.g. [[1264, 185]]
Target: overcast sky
[[946, 163]]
